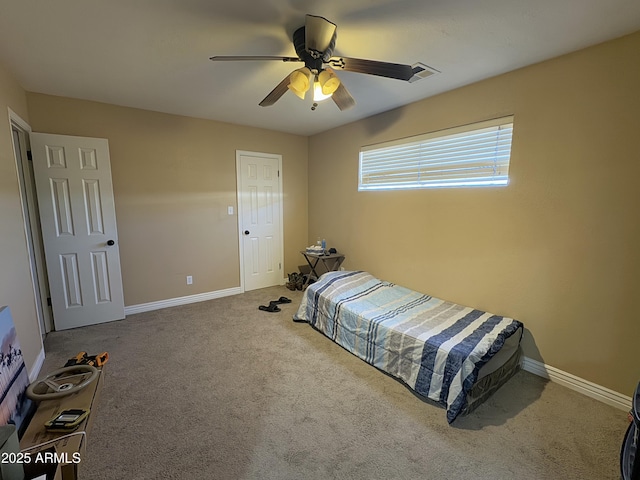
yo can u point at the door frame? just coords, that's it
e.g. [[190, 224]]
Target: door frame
[[278, 157], [35, 252]]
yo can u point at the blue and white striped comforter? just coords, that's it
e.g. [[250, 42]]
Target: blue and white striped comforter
[[435, 347]]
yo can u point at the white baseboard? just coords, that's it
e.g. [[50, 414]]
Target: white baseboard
[[578, 384], [174, 302], [37, 366]]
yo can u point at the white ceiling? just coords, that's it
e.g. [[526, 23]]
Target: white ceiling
[[154, 54]]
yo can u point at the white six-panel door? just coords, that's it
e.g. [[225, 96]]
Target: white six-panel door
[[77, 212], [260, 211]]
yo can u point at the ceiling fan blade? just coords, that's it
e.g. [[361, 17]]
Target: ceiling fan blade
[[318, 33], [373, 67], [276, 93], [232, 58], [342, 98]]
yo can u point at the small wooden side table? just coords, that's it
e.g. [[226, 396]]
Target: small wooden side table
[[331, 262]]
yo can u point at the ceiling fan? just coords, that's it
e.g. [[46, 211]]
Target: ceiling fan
[[314, 43]]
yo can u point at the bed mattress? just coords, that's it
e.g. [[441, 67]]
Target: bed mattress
[[440, 349]]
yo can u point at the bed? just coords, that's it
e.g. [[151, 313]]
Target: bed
[[453, 355]]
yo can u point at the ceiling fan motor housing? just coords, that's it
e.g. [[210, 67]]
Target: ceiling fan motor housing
[[313, 60]]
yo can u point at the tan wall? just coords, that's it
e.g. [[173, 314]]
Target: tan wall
[[173, 179], [16, 287], [558, 248]]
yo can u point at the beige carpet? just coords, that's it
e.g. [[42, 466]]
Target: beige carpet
[[221, 390]]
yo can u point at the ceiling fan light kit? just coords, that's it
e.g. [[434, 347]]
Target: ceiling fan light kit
[[329, 81], [314, 43], [318, 92], [300, 81]]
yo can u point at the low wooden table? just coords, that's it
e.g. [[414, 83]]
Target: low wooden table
[[331, 262], [71, 446]]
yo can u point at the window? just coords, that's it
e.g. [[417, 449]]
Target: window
[[472, 155]]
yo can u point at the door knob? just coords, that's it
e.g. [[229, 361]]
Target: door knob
[[247, 232], [111, 243]]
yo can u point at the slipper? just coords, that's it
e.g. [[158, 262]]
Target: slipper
[[280, 300], [271, 308]]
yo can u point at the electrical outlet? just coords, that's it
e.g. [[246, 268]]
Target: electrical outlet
[[189, 280]]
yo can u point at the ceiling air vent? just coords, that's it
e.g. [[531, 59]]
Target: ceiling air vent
[[420, 71]]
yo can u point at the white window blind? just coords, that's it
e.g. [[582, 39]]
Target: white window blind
[[472, 155]]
